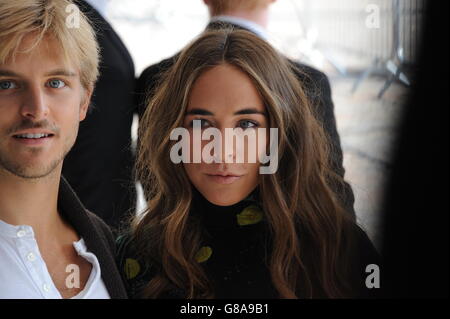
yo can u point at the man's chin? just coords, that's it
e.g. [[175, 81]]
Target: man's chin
[[31, 172]]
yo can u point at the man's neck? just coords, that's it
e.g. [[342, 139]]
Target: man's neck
[[246, 24], [31, 202], [259, 17]]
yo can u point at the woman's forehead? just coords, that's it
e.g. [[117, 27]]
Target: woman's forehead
[[225, 89]]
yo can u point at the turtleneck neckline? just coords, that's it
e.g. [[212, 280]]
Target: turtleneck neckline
[[222, 217]]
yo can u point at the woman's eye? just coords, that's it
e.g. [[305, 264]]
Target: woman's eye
[[56, 84], [203, 123], [247, 124], [7, 85]]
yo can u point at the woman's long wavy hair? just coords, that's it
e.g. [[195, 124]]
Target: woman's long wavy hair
[[308, 226]]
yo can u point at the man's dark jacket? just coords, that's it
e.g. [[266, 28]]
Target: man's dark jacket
[[99, 166], [97, 236], [316, 85]]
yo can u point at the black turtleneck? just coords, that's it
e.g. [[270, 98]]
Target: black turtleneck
[[235, 251]]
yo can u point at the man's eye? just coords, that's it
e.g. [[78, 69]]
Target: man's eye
[[7, 85], [56, 84], [244, 124]]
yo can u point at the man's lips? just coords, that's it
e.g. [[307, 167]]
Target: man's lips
[[224, 178], [33, 137], [34, 132]]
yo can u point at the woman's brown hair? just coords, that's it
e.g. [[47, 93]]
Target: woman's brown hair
[[308, 226]]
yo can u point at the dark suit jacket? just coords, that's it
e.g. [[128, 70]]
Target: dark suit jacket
[[97, 236], [317, 88], [99, 167]]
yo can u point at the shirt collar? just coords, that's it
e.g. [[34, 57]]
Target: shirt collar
[[13, 231], [244, 23]]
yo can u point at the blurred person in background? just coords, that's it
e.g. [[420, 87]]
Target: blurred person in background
[[253, 16], [106, 185]]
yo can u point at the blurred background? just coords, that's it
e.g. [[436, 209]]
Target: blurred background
[[368, 49]]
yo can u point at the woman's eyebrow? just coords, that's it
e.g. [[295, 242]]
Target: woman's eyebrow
[[250, 111], [199, 112]]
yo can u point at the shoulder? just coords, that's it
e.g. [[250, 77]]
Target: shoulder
[[154, 71], [125, 247], [82, 220], [307, 71], [149, 79], [103, 229], [134, 270], [99, 223], [312, 78]]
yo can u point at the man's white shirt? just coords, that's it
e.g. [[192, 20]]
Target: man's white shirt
[[244, 23], [24, 274]]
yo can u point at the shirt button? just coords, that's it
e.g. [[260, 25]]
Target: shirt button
[[31, 257], [21, 233], [46, 288]]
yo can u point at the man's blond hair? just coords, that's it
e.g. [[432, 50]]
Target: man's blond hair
[[43, 18], [223, 6]]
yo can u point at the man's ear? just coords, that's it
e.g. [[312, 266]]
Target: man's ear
[[85, 103]]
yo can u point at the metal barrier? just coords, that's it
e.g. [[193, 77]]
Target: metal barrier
[[385, 31]]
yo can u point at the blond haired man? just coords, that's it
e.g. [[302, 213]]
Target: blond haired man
[[50, 246]]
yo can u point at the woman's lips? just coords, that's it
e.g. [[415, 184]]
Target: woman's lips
[[223, 179]]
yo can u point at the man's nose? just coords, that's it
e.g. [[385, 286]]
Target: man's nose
[[34, 105]]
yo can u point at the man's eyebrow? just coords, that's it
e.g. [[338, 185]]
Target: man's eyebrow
[[8, 73], [61, 72], [57, 72], [198, 111]]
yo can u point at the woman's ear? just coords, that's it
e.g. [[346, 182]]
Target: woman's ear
[[85, 103]]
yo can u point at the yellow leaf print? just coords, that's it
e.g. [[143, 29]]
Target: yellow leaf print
[[132, 268], [203, 254], [249, 216]]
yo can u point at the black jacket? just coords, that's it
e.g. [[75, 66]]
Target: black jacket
[[97, 236], [316, 85], [99, 166]]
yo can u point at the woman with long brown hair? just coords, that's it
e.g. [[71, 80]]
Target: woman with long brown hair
[[220, 228]]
